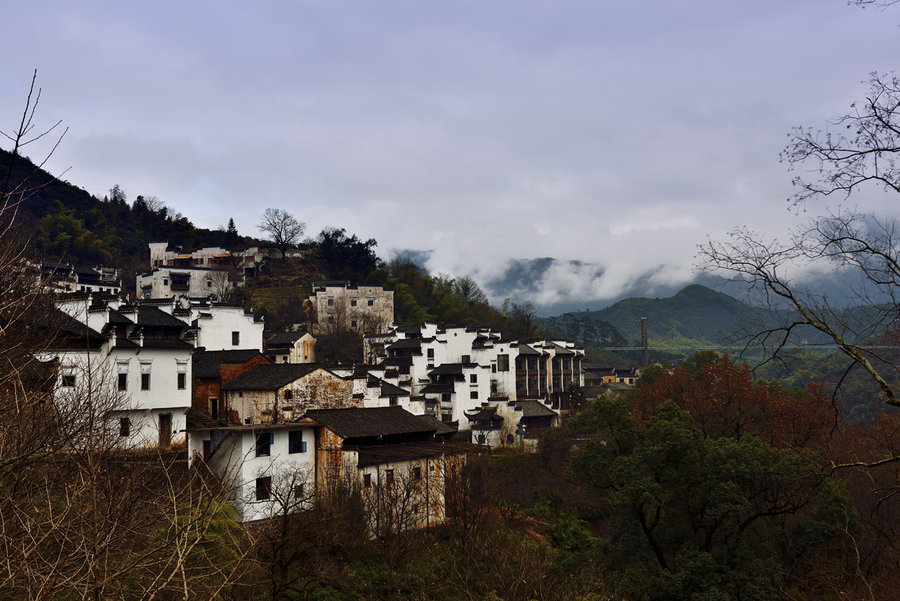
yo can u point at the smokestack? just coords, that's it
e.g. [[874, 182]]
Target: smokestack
[[644, 343]]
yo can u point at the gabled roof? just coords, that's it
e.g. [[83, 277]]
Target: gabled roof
[[485, 414], [70, 333], [524, 349], [413, 343], [284, 338], [271, 376], [156, 318], [392, 453], [363, 423], [117, 318], [389, 390], [533, 408], [206, 363], [560, 350], [443, 428], [437, 388], [447, 369]]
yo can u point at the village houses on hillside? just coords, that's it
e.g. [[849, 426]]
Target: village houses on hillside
[[260, 412]]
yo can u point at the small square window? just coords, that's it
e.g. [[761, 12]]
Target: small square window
[[145, 381], [371, 302], [123, 382], [182, 381], [417, 473], [473, 394], [299, 491], [465, 359], [393, 401], [473, 378], [68, 380], [353, 302], [263, 488]]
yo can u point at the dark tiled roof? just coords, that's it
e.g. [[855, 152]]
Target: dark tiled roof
[[413, 343], [443, 428], [390, 453], [437, 388], [153, 317], [116, 318], [453, 369], [206, 364], [68, 332], [485, 414], [388, 390], [534, 409], [173, 343], [560, 350], [524, 349], [362, 423], [270, 377]]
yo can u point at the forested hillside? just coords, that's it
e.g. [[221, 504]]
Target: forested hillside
[[66, 223]]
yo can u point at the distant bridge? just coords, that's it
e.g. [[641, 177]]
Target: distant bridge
[[805, 347]]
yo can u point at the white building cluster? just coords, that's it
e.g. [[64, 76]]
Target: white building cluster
[[275, 424]]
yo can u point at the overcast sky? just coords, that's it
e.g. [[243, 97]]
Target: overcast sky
[[616, 133]]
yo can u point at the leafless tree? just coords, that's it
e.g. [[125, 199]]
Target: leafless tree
[[863, 152], [81, 517], [283, 228]]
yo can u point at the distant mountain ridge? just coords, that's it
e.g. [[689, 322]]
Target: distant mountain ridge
[[696, 313]]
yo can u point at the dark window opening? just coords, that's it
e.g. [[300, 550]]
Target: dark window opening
[[235, 338], [417, 473], [264, 444], [68, 380], [145, 381], [367, 480], [296, 444], [124, 426], [182, 381], [123, 382], [263, 488], [389, 477]]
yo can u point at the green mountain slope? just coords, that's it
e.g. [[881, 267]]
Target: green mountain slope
[[695, 315]]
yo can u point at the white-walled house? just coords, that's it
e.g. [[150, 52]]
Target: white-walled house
[[269, 468], [290, 347], [195, 282], [226, 327], [519, 369], [136, 361]]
